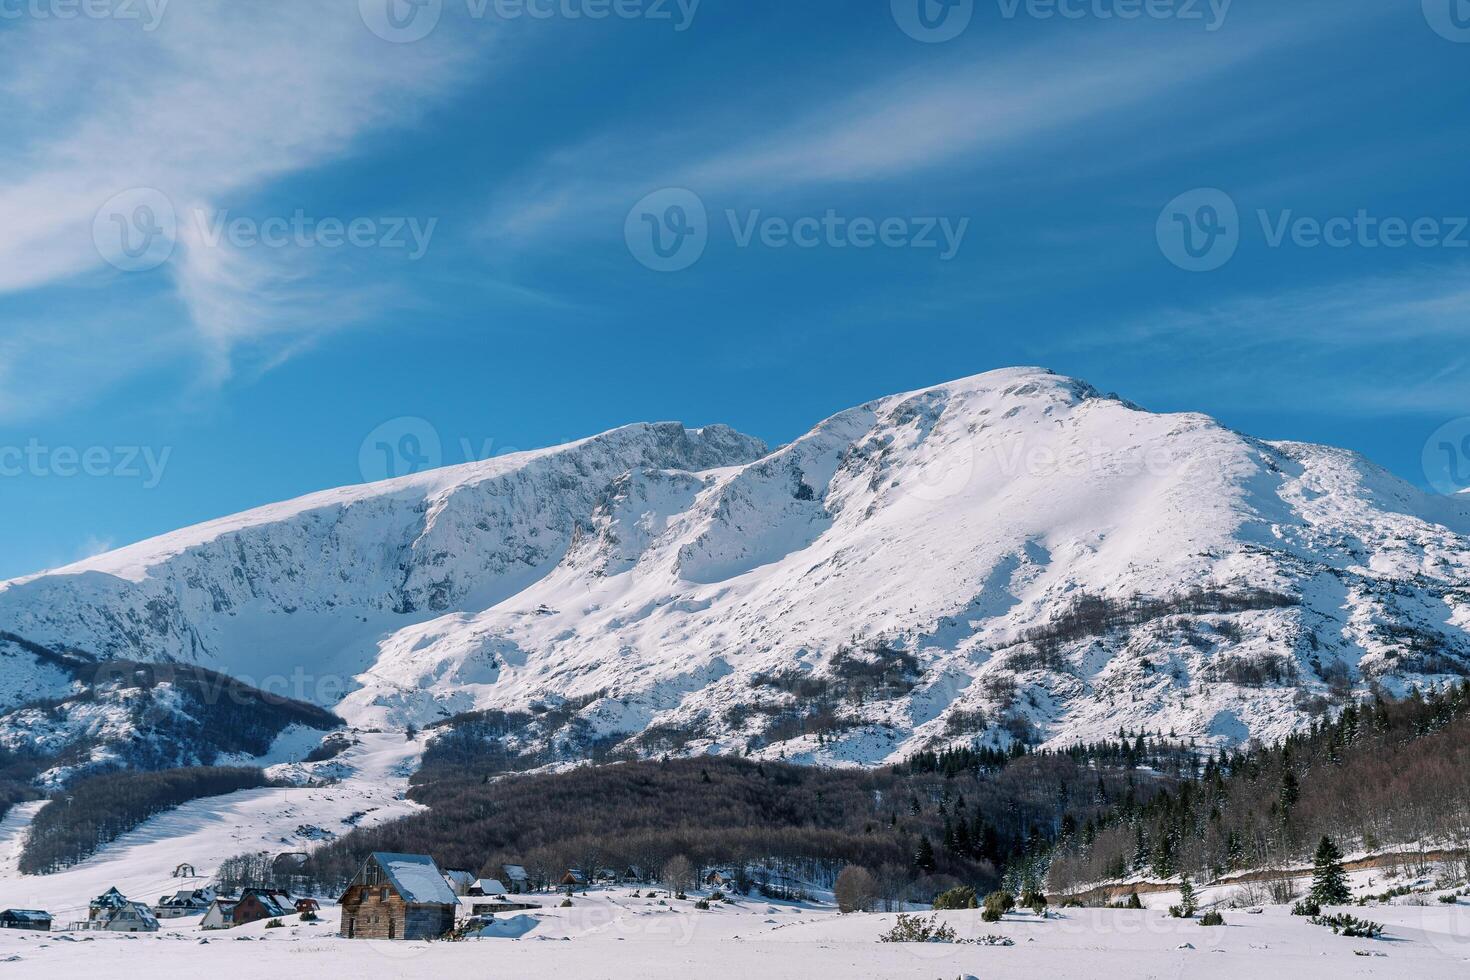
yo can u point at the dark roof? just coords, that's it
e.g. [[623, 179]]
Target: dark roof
[[274, 903], [26, 915], [416, 878]]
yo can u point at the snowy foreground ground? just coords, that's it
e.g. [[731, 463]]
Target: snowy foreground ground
[[612, 935]]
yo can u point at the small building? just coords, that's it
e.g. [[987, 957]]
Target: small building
[[105, 904], [195, 901], [185, 871], [398, 896], [27, 919], [459, 880], [515, 878], [720, 878], [487, 888], [305, 905], [221, 914], [131, 917], [574, 878], [261, 903]]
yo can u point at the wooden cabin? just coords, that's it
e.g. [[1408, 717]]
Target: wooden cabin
[[27, 919], [398, 896], [259, 903]]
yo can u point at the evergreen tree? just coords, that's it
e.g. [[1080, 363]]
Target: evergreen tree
[[924, 857], [1188, 898], [1329, 880]]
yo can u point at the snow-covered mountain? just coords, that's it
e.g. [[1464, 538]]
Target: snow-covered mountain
[[1013, 554]]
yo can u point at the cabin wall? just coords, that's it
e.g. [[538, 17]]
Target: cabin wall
[[380, 913]]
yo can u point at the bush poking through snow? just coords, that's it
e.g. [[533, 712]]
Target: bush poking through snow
[[275, 924], [917, 929], [1307, 906], [997, 904], [1212, 918], [1349, 926], [959, 897]]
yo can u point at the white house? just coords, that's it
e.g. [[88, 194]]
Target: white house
[[221, 914], [487, 888]]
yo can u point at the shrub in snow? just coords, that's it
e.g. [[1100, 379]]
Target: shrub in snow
[[1306, 907], [566, 903], [959, 897], [702, 905], [1212, 918], [1350, 926], [275, 924], [1447, 899], [916, 929]]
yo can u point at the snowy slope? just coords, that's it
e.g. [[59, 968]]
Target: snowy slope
[[372, 778], [967, 561]]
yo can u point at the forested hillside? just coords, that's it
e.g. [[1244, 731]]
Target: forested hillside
[[96, 811], [1381, 774], [919, 828]]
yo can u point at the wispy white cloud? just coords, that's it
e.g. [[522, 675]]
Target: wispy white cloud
[[907, 123], [1360, 346], [215, 103]]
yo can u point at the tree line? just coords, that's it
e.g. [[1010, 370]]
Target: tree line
[[1381, 773], [84, 818]]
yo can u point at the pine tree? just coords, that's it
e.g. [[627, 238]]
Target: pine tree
[[1329, 880], [1188, 899], [924, 857]]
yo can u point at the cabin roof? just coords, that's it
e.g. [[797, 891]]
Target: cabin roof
[[416, 878], [27, 915]]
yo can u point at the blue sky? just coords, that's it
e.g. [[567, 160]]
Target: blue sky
[[850, 201]]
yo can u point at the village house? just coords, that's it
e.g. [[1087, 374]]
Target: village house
[[132, 917], [112, 912], [305, 905], [573, 880], [398, 896], [516, 880], [188, 902], [221, 914], [105, 904], [28, 919], [459, 880], [487, 888], [260, 903]]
